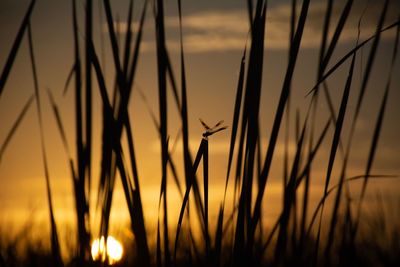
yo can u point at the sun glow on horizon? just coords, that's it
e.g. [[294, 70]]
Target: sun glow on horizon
[[110, 251]]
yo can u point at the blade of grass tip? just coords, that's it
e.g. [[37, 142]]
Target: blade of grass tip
[[176, 140], [157, 126], [235, 120], [238, 233], [235, 125], [62, 133], [101, 81], [59, 122], [15, 47], [55, 246], [69, 79], [371, 59], [149, 110], [15, 126], [199, 155], [175, 174], [279, 113]]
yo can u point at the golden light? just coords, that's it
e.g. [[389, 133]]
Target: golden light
[[110, 251]]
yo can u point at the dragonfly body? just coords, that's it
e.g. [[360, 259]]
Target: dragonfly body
[[212, 130]]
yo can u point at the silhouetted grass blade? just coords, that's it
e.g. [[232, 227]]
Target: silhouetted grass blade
[[235, 121], [15, 47], [336, 35], [55, 246], [279, 113], [289, 198], [349, 54], [69, 79], [200, 154], [15, 126]]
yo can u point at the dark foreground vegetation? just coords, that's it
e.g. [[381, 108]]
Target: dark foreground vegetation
[[238, 238]]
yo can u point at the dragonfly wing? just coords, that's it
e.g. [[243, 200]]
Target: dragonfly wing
[[204, 124], [218, 124], [218, 130]]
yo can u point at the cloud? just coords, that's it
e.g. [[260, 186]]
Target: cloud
[[219, 30]]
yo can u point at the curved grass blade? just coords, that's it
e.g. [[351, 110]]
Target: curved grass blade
[[15, 126], [349, 54]]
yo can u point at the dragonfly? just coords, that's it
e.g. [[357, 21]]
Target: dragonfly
[[212, 130]]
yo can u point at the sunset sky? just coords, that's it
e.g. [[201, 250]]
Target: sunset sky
[[215, 34]]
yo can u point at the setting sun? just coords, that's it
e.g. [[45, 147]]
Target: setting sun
[[111, 250]]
